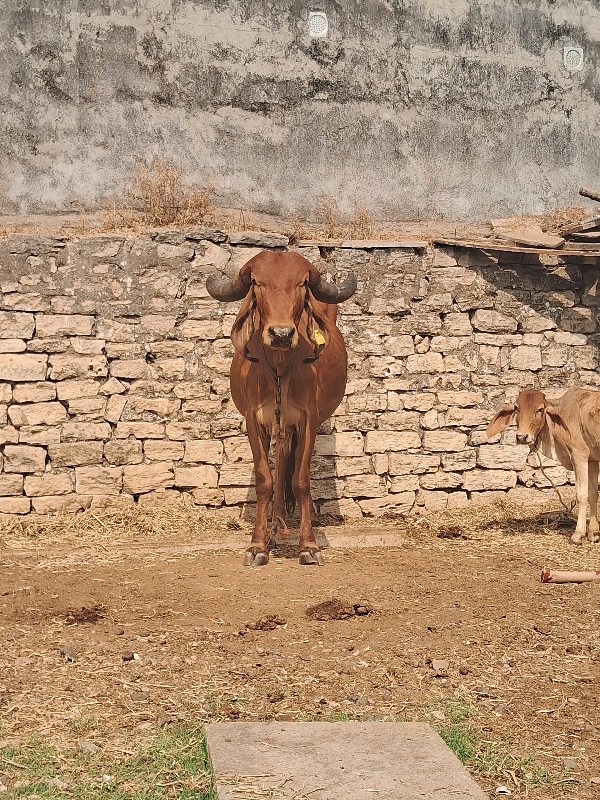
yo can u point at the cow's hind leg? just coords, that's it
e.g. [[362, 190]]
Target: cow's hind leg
[[593, 500], [257, 555], [580, 463]]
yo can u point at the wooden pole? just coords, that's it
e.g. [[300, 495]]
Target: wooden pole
[[593, 195], [564, 576]]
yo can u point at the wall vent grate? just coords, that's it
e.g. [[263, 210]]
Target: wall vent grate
[[318, 24]]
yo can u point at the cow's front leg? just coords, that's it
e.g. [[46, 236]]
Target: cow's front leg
[[257, 555], [581, 493], [593, 500], [307, 545]]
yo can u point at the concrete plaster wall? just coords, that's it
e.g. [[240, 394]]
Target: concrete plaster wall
[[461, 110], [114, 368]]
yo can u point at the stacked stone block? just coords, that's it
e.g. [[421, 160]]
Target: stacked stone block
[[114, 368]]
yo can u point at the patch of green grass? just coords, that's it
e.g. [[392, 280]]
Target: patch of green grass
[[174, 766], [490, 759], [460, 739], [457, 710], [82, 723], [494, 759], [352, 716]]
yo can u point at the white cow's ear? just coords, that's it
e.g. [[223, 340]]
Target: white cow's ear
[[500, 422], [557, 423]]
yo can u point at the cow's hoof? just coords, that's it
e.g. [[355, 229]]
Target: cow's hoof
[[311, 557], [252, 559], [594, 537], [577, 537]]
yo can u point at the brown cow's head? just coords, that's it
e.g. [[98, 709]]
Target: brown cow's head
[[275, 287], [531, 412]]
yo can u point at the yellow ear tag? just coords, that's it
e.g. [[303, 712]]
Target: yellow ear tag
[[318, 337]]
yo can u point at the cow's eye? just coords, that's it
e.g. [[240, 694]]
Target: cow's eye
[[540, 410]]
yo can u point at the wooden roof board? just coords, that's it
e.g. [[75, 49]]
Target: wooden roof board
[[587, 246], [488, 244], [586, 236], [364, 244]]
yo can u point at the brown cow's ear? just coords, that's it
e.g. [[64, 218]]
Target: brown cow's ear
[[500, 422], [243, 327]]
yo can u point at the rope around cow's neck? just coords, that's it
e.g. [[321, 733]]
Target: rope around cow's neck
[[549, 479]]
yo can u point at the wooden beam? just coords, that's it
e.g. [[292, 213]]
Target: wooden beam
[[487, 244], [365, 244]]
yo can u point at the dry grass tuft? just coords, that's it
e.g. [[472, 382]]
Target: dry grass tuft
[[327, 207], [553, 221], [361, 223], [299, 229], [160, 197], [164, 198], [243, 223]]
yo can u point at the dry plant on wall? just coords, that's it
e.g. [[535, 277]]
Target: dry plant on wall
[[361, 223], [243, 224], [299, 229], [327, 207], [163, 198]]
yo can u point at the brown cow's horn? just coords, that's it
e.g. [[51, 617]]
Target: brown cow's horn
[[333, 292], [226, 289]]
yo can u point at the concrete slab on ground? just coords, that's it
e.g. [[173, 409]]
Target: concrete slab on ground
[[335, 761]]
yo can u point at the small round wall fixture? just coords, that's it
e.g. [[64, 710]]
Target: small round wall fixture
[[318, 24], [573, 58]]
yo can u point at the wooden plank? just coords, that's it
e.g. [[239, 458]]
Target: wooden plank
[[532, 236], [383, 244], [586, 236], [587, 246], [593, 194], [493, 246], [319, 243], [365, 244]]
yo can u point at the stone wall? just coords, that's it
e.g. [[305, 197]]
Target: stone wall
[[114, 372]]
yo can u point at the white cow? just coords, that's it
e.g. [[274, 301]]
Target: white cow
[[567, 431]]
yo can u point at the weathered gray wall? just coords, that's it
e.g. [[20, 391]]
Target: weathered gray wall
[[114, 369], [461, 109]]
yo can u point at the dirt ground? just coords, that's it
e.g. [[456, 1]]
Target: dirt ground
[[113, 627]]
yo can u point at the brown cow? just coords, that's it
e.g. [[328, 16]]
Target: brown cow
[[567, 431], [288, 375]]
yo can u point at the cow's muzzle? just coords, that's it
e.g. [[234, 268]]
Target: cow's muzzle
[[524, 438], [280, 336]]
